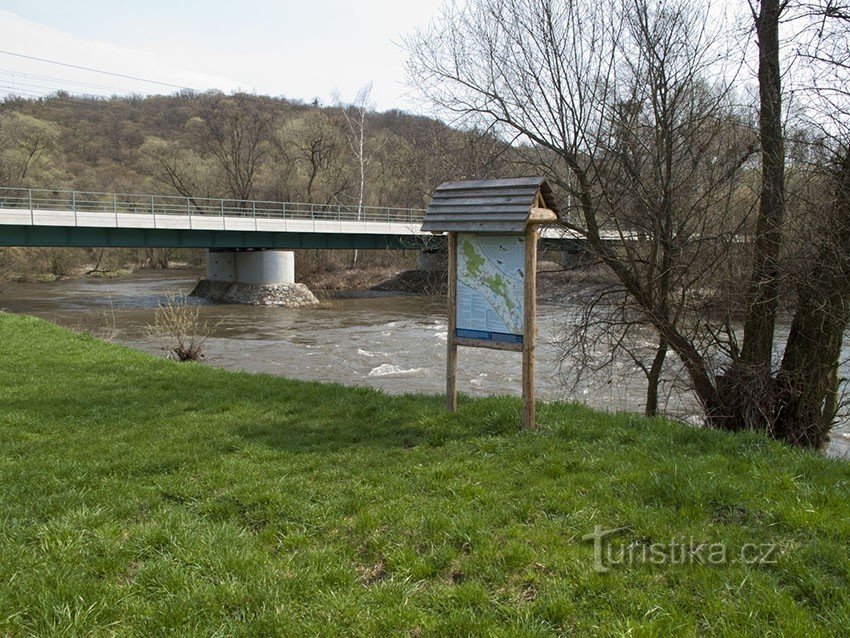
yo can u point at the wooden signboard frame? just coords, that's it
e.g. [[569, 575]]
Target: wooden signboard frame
[[529, 323], [494, 208]]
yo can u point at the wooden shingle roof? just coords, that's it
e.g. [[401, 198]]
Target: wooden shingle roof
[[495, 205]]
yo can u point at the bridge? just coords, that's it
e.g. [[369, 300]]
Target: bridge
[[39, 217], [235, 231]]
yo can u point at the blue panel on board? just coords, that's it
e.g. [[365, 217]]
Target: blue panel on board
[[488, 336]]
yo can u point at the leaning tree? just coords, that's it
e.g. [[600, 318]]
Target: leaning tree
[[631, 108]]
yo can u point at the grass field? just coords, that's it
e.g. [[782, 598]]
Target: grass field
[[145, 497]]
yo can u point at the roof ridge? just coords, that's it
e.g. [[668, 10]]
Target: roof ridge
[[494, 205]]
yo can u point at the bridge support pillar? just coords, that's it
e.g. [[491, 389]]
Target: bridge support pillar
[[221, 265], [256, 277], [258, 267]]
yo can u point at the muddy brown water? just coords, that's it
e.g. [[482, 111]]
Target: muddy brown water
[[394, 343]]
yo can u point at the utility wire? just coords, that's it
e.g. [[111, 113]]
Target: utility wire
[[92, 101], [15, 91], [25, 76], [85, 68], [28, 84]]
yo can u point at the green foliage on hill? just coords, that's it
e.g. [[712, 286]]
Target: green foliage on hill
[[239, 146]]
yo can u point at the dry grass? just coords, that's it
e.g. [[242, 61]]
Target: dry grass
[[180, 326]]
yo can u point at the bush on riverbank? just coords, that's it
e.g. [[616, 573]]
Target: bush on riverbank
[[51, 264], [145, 497], [327, 269]]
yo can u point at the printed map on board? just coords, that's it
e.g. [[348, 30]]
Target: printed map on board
[[490, 295]]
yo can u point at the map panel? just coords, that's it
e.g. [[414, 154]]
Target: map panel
[[490, 287]]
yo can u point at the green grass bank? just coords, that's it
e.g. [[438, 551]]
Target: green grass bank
[[143, 497]]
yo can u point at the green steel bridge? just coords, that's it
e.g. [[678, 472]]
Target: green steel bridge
[[40, 217], [65, 218]]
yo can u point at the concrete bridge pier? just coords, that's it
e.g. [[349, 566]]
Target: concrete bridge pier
[[259, 267], [256, 277]]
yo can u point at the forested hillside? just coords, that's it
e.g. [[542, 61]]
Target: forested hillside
[[235, 146]]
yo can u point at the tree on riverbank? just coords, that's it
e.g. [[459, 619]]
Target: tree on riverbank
[[630, 106]]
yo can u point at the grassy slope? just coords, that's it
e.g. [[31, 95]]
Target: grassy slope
[[145, 497]]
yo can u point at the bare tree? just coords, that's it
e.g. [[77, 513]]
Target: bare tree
[[616, 102], [355, 120], [233, 130], [315, 144], [760, 321], [181, 169], [632, 116], [27, 148], [806, 385]]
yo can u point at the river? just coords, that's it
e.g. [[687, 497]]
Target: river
[[393, 343]]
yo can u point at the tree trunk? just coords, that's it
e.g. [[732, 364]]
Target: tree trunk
[[746, 391], [808, 377], [654, 377], [806, 381], [760, 321]]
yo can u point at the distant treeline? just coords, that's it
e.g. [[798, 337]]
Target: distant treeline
[[237, 146]]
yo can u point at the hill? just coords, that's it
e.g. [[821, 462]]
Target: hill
[[237, 146]]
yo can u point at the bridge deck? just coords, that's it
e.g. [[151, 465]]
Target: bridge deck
[[32, 217], [82, 219]]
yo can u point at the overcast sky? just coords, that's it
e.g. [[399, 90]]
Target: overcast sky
[[301, 49]]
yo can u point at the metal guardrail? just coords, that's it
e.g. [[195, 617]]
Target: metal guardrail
[[173, 205]]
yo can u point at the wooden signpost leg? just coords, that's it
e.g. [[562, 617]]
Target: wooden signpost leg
[[530, 336], [451, 344]]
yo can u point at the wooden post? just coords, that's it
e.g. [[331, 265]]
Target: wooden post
[[451, 344], [530, 336]]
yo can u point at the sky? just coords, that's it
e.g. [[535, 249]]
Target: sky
[[301, 49]]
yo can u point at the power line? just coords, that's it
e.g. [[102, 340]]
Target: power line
[[92, 101], [26, 84], [85, 68], [14, 91], [22, 74], [28, 89]]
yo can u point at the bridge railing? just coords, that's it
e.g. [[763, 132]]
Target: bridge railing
[[33, 199]]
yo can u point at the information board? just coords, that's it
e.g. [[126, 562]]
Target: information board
[[490, 287]]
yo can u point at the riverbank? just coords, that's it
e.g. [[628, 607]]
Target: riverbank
[[333, 278], [48, 265], [91, 271], [555, 283], [143, 497]]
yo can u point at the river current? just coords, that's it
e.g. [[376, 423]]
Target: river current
[[394, 343]]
